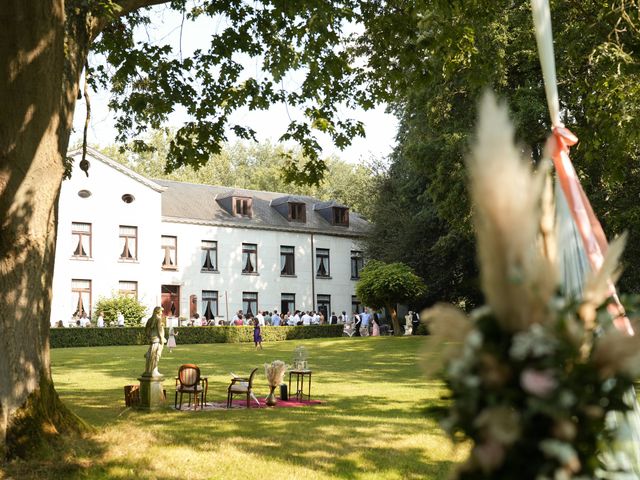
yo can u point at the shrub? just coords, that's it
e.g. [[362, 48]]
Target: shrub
[[92, 337], [130, 307]]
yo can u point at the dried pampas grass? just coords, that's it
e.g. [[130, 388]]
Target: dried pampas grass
[[517, 280], [617, 353], [599, 286], [449, 327]]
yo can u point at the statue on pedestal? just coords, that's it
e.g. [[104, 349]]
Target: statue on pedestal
[[408, 327], [154, 331]]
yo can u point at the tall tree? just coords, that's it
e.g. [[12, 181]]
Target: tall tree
[[44, 46], [452, 51]]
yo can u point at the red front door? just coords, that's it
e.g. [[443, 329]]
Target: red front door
[[170, 300]]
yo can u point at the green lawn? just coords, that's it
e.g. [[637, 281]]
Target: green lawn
[[372, 423]]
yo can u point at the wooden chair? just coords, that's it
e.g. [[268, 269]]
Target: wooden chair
[[241, 386], [190, 381]]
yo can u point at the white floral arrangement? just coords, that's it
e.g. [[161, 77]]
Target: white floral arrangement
[[274, 372]]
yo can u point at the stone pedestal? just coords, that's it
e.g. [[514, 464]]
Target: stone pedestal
[[151, 392]]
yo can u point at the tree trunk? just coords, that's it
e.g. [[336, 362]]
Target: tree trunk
[[38, 88], [394, 318]]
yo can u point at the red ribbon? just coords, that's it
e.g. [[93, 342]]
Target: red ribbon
[[591, 232]]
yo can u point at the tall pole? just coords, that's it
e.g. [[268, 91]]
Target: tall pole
[[313, 276], [226, 304]]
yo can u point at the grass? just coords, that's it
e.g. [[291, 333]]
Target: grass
[[372, 424]]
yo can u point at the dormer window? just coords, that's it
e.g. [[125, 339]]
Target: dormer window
[[297, 212], [341, 216], [242, 206]]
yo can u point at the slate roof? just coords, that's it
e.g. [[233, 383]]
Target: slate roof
[[195, 203]]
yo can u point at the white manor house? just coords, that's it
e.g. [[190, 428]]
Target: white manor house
[[199, 248]]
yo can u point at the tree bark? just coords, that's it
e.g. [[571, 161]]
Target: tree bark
[[38, 88], [394, 319]]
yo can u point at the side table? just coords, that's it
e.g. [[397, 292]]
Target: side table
[[299, 392]]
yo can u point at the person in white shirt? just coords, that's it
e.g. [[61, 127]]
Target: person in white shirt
[[294, 319], [345, 317], [315, 320], [260, 318], [306, 319], [120, 319]]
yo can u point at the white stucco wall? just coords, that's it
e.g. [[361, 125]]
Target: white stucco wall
[[105, 211], [268, 282]]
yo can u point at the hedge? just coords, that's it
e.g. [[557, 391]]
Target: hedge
[[94, 337]]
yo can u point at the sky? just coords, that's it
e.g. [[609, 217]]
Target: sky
[[270, 124]]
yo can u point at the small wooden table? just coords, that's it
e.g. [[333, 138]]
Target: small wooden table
[[300, 374]]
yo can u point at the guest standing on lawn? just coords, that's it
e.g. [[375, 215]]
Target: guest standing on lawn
[[376, 326], [275, 319], [172, 339], [358, 320], [257, 337]]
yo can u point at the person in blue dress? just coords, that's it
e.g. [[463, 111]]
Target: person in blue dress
[[257, 337]]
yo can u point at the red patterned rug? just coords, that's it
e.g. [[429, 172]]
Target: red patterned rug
[[243, 404]]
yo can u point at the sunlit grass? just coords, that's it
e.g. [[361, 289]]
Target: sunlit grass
[[370, 425]]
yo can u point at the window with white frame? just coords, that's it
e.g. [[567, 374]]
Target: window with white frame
[[128, 242], [324, 305], [81, 233], [250, 302], [341, 216], [209, 304], [288, 303], [357, 262], [81, 296], [322, 262], [287, 260], [128, 288], [242, 206], [356, 305], [297, 212], [249, 258], [209, 256], [169, 246]]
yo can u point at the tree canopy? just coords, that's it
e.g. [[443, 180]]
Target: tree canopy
[[150, 80], [463, 48], [385, 285]]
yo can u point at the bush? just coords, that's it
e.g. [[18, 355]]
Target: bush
[[130, 307], [423, 329], [93, 337]]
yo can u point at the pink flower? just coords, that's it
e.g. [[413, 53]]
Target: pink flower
[[489, 455], [538, 383]]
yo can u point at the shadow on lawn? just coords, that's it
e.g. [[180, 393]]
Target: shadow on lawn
[[309, 437], [356, 429]]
